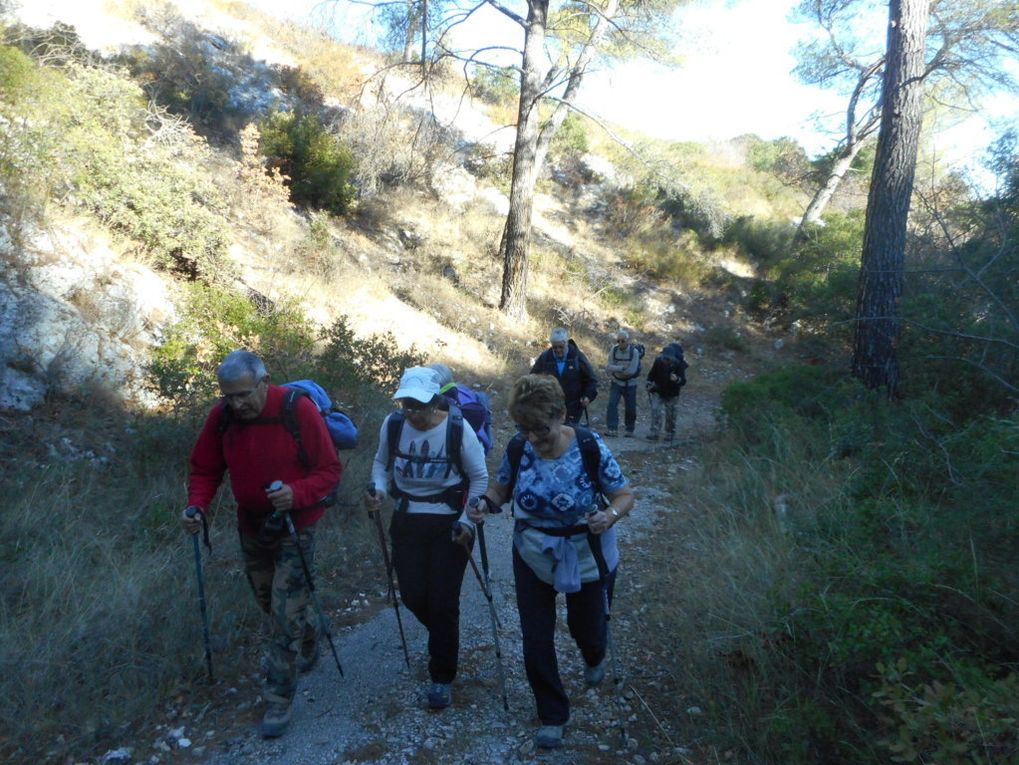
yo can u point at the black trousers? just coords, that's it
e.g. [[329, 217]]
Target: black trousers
[[585, 617], [430, 568]]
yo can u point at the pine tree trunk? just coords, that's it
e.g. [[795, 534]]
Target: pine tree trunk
[[516, 236], [875, 360]]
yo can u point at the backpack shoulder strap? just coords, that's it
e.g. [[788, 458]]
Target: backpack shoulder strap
[[393, 427], [288, 416], [514, 452], [590, 454], [455, 438]]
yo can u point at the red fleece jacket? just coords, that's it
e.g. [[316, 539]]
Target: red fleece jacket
[[259, 452]]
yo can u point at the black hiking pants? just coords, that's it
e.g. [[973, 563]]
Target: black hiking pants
[[430, 568], [585, 617]]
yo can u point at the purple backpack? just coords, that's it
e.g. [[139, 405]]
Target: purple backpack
[[476, 410]]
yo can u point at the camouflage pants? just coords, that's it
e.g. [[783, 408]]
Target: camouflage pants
[[277, 578], [663, 406]]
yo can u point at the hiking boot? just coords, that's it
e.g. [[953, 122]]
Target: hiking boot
[[628, 434], [594, 675], [308, 657], [276, 719], [440, 695], [652, 437], [549, 737], [611, 433]]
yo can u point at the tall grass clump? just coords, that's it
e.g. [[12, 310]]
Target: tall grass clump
[[846, 588]]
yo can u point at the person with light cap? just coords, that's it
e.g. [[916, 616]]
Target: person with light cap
[[624, 368], [431, 465], [565, 362]]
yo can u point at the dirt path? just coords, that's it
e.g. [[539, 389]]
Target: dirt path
[[376, 714]]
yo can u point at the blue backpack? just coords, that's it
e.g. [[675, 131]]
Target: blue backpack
[[477, 410], [341, 428]]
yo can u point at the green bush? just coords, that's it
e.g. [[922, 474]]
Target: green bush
[[86, 137], [879, 620], [496, 86], [215, 321], [571, 138], [318, 165]]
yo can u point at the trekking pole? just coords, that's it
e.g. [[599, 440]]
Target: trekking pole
[[486, 587], [191, 512], [603, 574], [389, 574], [323, 622]]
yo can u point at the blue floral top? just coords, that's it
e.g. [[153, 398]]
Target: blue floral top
[[559, 493]]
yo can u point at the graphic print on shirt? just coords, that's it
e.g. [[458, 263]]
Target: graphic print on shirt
[[424, 465]]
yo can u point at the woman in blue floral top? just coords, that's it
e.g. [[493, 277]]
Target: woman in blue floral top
[[559, 532]]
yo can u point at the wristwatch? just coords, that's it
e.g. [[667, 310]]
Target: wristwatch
[[614, 513]]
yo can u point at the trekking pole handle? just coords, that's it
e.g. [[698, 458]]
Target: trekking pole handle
[[371, 488], [274, 486], [192, 511], [492, 508]]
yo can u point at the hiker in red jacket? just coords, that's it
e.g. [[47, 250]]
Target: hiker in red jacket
[[246, 435]]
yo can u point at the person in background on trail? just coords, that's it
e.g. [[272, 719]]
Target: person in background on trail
[[664, 381], [244, 434], [554, 474], [624, 368], [564, 361], [473, 403], [431, 464]]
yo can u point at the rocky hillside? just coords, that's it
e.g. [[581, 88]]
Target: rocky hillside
[[415, 259]]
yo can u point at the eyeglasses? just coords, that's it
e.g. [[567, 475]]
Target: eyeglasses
[[240, 395], [559, 346], [544, 430], [414, 406]]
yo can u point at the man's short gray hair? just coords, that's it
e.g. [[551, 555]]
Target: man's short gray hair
[[622, 334], [238, 364], [559, 335]]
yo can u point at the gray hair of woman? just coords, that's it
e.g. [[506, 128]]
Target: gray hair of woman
[[536, 400]]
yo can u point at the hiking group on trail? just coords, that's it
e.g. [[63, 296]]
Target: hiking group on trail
[[565, 489]]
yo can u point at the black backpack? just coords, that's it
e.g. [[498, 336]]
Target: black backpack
[[454, 496]]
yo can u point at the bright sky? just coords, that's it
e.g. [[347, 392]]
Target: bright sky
[[735, 78]]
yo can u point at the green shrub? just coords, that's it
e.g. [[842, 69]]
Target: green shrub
[[496, 86], [895, 548], [98, 146], [215, 321], [318, 165], [571, 138]]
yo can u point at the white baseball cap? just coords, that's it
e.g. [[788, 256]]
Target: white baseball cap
[[418, 383]]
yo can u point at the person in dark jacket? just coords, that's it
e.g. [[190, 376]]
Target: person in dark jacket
[[564, 361], [664, 381], [244, 434]]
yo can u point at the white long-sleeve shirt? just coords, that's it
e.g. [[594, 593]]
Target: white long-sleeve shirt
[[428, 478]]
